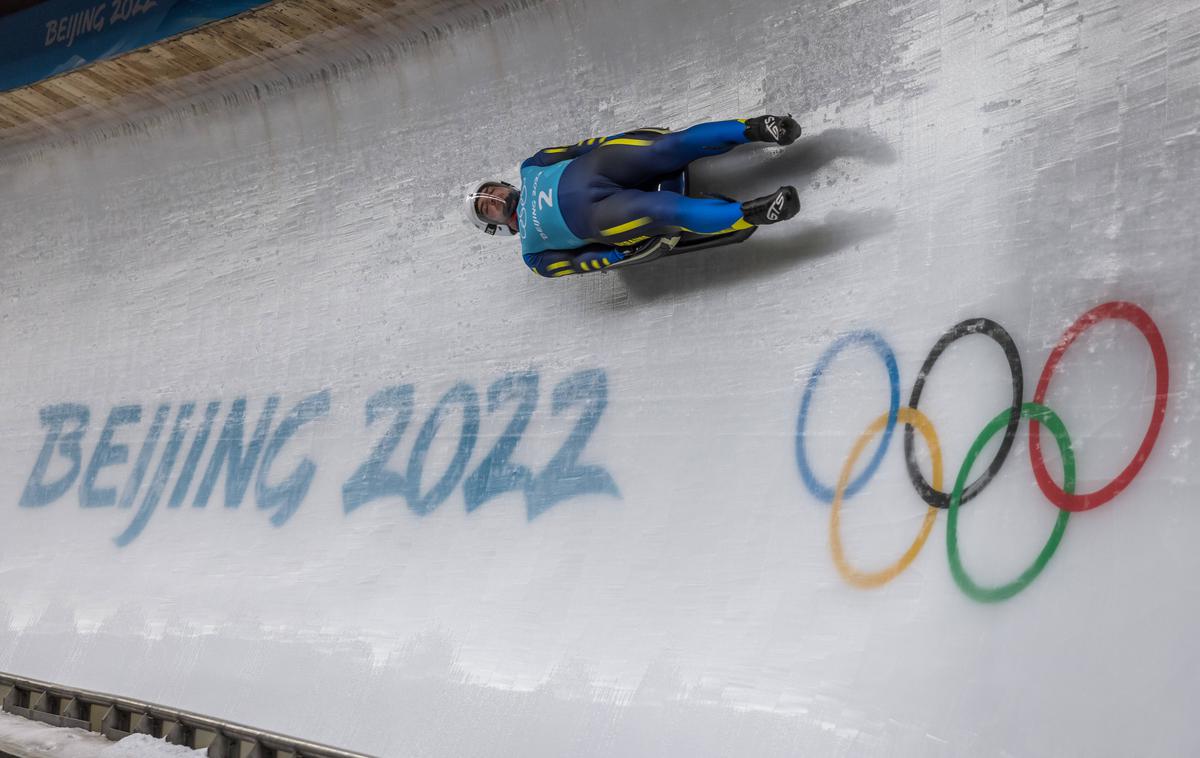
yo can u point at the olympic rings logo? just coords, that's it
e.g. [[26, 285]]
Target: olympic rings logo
[[1064, 498]]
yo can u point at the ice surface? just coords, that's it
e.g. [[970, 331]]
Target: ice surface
[[669, 587]]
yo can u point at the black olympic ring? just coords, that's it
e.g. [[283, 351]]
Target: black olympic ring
[[988, 328]]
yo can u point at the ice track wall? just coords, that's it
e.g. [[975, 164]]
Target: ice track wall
[[284, 441]]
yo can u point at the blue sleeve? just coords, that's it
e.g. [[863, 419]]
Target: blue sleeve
[[555, 263]]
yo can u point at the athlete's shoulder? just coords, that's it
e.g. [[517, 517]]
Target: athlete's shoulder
[[547, 157]]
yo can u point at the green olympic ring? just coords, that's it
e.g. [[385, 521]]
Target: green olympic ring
[[1034, 413]]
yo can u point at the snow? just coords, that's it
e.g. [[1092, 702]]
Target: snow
[[33, 739]]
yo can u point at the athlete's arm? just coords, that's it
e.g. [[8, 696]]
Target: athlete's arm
[[580, 260]]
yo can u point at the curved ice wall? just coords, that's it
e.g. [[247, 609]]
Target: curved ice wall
[[285, 442]]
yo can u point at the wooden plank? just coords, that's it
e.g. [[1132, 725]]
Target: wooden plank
[[165, 71]]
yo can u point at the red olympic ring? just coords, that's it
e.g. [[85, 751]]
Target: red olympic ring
[[1117, 310]]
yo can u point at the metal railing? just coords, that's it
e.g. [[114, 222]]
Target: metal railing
[[118, 717]]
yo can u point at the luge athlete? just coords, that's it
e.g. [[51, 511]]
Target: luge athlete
[[579, 205]]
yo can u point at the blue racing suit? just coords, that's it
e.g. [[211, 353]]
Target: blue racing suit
[[580, 203]]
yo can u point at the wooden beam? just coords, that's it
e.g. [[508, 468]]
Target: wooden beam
[[167, 71]]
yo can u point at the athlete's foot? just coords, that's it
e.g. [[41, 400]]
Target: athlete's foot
[[782, 130], [780, 205]]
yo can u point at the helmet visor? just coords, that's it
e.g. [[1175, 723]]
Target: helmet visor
[[495, 203]]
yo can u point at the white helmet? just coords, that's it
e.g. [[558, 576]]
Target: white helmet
[[489, 205]]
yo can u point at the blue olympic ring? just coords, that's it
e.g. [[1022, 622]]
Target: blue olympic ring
[[866, 337]]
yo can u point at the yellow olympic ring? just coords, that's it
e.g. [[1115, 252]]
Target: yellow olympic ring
[[870, 579]]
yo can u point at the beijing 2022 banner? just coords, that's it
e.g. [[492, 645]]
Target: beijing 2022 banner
[[60, 35]]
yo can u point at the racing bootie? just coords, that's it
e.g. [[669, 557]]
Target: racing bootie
[[782, 130], [780, 205]]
